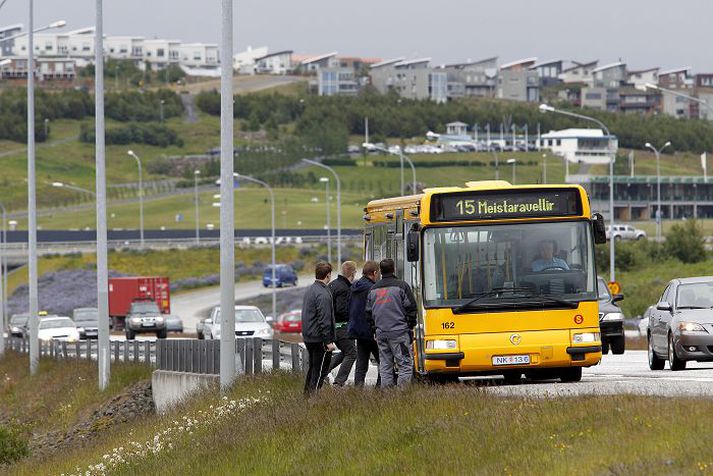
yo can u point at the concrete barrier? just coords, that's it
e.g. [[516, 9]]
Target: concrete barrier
[[170, 388]]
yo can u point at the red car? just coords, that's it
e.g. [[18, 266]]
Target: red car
[[289, 322]]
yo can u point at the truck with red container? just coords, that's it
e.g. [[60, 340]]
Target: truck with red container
[[126, 290]]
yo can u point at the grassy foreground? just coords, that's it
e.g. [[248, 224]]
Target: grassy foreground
[[264, 426]]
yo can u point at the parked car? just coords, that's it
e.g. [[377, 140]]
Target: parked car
[[87, 322], [173, 323], [144, 316], [284, 274], [681, 325], [289, 322], [19, 325], [626, 232], [249, 322], [611, 320], [57, 328]]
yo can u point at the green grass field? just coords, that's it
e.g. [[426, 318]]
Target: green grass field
[[673, 164], [455, 429]]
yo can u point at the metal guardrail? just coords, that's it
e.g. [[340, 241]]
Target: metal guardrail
[[181, 355]]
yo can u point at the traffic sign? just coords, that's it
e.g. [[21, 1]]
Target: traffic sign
[[614, 287]]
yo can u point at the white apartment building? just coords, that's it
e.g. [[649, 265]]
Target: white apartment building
[[245, 62], [580, 145], [161, 53]]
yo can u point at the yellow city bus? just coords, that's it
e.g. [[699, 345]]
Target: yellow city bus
[[504, 277]]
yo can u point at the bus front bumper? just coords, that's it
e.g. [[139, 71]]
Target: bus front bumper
[[495, 352]]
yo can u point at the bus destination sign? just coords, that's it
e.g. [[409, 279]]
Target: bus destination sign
[[503, 204]]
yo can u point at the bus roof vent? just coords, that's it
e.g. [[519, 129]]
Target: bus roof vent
[[488, 184]]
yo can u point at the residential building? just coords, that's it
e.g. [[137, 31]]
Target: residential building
[[549, 72], [359, 65], [473, 78], [7, 47], [382, 75], [639, 101], [124, 48], [413, 79], [704, 92], [457, 128], [279, 62], [245, 61], [593, 98], [590, 146], [337, 82], [161, 53], [198, 55], [609, 76], [642, 77], [46, 69], [679, 78], [312, 64], [518, 82], [579, 73]]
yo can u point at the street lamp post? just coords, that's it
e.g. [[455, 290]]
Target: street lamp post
[[161, 109], [73, 187], [513, 162], [31, 199], [56, 24], [273, 244], [658, 184], [325, 181], [544, 108], [3, 282], [339, 204], [103, 355], [196, 173], [141, 197], [46, 122], [544, 168], [227, 200]]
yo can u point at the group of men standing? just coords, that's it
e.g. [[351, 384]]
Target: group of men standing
[[372, 316]]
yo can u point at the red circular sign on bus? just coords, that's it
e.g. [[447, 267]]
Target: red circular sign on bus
[[578, 319]]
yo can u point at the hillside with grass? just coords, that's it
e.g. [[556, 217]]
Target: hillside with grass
[[262, 425]]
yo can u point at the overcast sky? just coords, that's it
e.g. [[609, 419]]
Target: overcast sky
[[643, 33]]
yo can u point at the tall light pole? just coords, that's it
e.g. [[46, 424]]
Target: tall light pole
[[227, 200], [339, 204], [141, 197], [544, 167], [196, 173], [403, 158], [544, 108], [325, 181], [161, 109], [3, 282], [272, 216], [513, 162], [658, 184], [103, 353], [31, 199]]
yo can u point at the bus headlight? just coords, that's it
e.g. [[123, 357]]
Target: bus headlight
[[586, 337], [440, 344]]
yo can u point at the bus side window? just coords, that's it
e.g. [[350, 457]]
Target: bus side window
[[379, 243], [368, 243]]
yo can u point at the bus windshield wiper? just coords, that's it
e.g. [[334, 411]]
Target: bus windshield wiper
[[484, 294], [555, 300]]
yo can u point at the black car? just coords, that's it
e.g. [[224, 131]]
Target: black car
[[87, 321], [611, 320], [19, 325]]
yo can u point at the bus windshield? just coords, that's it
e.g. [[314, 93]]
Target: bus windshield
[[524, 265]]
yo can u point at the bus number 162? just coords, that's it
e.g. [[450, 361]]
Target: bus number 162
[[466, 207]]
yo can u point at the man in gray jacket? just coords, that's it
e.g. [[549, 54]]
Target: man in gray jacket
[[391, 311], [318, 330]]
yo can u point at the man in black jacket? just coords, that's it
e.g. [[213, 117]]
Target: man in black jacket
[[341, 295], [391, 310], [318, 327], [359, 328]]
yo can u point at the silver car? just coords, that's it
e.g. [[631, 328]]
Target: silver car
[[249, 322], [680, 327]]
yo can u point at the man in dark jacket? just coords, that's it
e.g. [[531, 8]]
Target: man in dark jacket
[[318, 327], [341, 294], [391, 310], [359, 328]]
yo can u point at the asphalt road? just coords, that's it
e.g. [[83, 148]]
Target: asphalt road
[[192, 306]]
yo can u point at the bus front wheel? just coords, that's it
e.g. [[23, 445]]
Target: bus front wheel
[[572, 374]]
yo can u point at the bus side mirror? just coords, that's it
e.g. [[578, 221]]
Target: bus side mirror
[[412, 245], [598, 228]]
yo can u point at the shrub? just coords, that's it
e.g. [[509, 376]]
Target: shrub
[[686, 242], [12, 446]]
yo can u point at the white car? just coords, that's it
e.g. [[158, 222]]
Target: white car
[[626, 232], [249, 322], [57, 328]]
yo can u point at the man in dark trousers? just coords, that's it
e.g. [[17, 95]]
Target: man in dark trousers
[[359, 328], [341, 294], [318, 327], [391, 310]]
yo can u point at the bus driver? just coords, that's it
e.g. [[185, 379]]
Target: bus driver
[[547, 259]]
